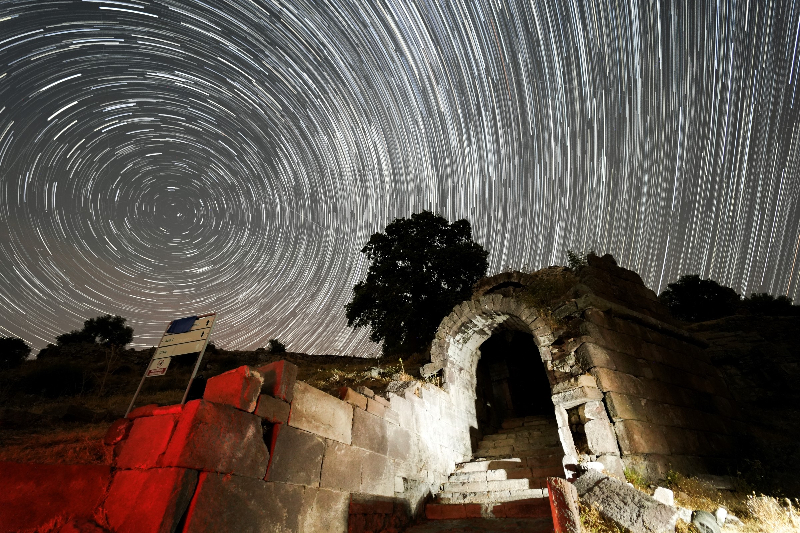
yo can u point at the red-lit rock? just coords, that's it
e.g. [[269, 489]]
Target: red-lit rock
[[218, 438], [279, 378], [119, 430], [239, 388], [81, 525], [154, 410], [147, 440], [149, 501], [34, 495], [439, 511]]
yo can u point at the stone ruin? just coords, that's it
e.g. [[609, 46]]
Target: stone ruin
[[513, 395]]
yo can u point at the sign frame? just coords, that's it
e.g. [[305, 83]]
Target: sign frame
[[163, 366]]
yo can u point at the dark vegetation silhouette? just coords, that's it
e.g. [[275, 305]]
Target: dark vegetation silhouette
[[693, 299], [276, 346], [421, 267], [13, 351]]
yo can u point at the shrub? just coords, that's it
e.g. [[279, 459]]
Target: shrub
[[276, 346], [57, 379], [13, 352], [697, 300]]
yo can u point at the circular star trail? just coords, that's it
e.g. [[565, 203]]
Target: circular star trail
[[162, 157]]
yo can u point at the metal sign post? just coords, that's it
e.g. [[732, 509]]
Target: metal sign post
[[192, 336]]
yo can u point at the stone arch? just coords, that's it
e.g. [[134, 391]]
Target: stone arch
[[495, 306]]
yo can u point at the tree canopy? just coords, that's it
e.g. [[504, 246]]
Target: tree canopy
[[106, 330], [13, 352], [421, 267], [696, 300]]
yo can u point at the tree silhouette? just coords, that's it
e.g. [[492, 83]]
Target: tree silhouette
[[421, 267], [697, 300], [13, 352]]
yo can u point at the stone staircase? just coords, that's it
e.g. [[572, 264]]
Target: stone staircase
[[510, 465]]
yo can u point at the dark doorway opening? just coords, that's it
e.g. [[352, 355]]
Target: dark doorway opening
[[511, 381]]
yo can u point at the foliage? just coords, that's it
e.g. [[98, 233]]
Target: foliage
[[276, 346], [421, 268], [13, 352], [593, 522], [54, 379], [696, 300], [107, 330], [632, 476], [576, 260], [767, 304]]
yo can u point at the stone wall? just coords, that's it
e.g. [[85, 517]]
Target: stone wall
[[260, 452]]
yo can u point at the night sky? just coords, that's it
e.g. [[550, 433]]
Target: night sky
[[160, 158]]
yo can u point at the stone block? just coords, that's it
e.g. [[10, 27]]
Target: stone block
[[399, 443], [218, 438], [154, 410], [320, 413], [612, 465], [600, 437], [118, 430], [564, 505], [612, 381], [272, 409], [631, 509], [341, 467], [279, 379], [375, 407], [324, 511], [35, 494], [239, 388], [370, 432], [149, 501], [296, 457], [584, 380], [573, 397], [665, 496], [353, 398], [636, 437], [146, 442], [377, 475]]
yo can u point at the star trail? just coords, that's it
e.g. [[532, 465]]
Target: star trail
[[161, 157]]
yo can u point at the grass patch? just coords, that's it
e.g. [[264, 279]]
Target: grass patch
[[56, 445]]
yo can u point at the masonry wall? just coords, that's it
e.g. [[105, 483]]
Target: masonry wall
[[260, 452], [669, 406]]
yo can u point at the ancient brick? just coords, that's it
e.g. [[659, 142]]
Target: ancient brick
[[324, 511], [439, 511], [317, 412], [279, 379], [399, 443], [239, 388], [636, 437], [34, 495], [233, 503], [218, 438], [146, 442], [375, 407], [591, 355], [572, 397], [612, 381], [296, 457], [377, 475], [353, 398], [149, 501], [341, 467], [370, 432], [272, 409]]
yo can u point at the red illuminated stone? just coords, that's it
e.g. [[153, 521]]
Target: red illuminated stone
[[279, 378], [239, 388], [146, 442]]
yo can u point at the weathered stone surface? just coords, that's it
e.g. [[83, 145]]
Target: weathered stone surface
[[377, 475], [218, 438], [375, 407], [705, 522], [665, 496], [279, 379], [625, 407], [154, 410], [317, 412], [237, 504], [584, 380], [370, 432], [341, 467], [33, 495], [564, 505], [149, 501], [600, 436], [577, 396], [272, 409], [118, 430], [633, 510], [81, 525], [400, 443], [296, 457], [637, 437], [324, 511], [353, 398], [239, 388], [146, 442], [613, 465]]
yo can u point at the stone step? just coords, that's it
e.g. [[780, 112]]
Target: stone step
[[491, 486], [530, 508], [504, 474], [483, 465], [521, 444], [490, 496]]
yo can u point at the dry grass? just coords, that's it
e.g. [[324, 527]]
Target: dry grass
[[770, 515], [56, 445], [593, 522]]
